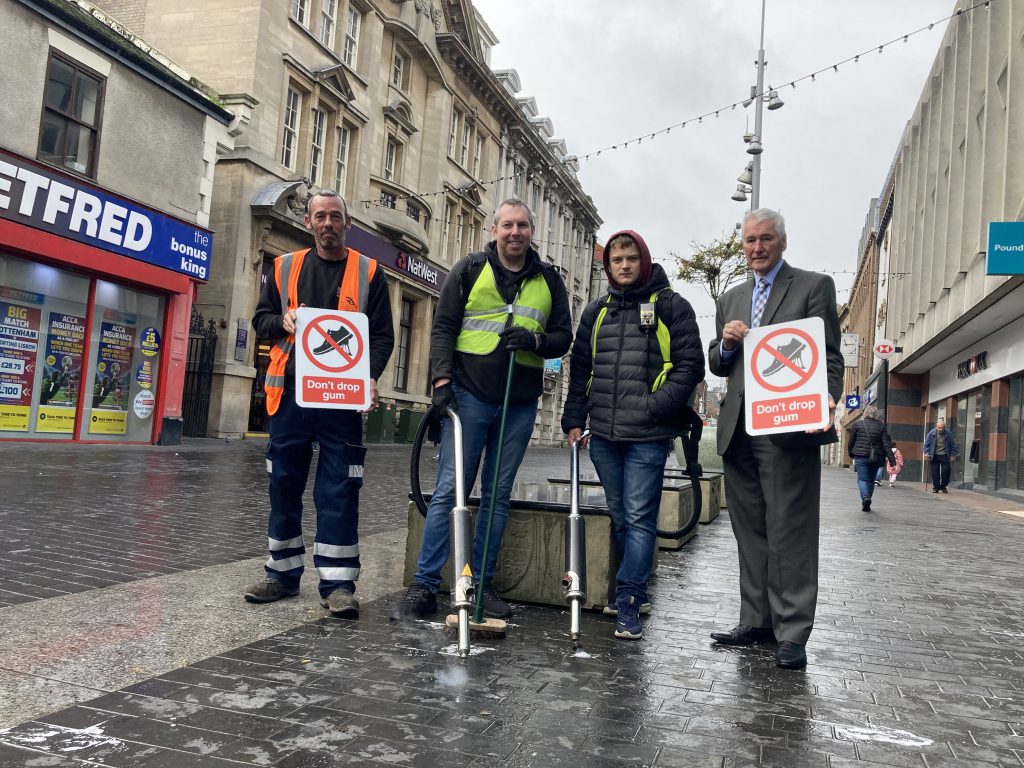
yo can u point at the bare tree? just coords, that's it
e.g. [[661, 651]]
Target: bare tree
[[714, 267]]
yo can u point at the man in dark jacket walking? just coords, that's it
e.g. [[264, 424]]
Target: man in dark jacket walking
[[635, 363], [868, 446], [499, 302], [940, 448]]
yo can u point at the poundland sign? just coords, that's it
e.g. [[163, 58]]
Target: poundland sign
[[1005, 248], [42, 199]]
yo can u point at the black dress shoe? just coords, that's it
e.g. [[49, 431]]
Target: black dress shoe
[[743, 634], [943, 490], [790, 655], [935, 490]]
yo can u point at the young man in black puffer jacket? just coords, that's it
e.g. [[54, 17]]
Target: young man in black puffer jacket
[[635, 363]]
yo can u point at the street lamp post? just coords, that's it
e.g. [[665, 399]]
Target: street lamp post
[[750, 179], [755, 184]]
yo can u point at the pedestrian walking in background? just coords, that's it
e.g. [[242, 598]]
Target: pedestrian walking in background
[[868, 446], [940, 449], [636, 361], [774, 481], [894, 465], [327, 276]]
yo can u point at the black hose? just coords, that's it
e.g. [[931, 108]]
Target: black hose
[[414, 459], [692, 431]]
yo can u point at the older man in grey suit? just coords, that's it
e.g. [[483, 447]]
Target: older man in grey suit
[[774, 482]]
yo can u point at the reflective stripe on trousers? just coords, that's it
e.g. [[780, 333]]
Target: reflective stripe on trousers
[[339, 476]]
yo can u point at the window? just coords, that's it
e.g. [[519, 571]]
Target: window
[[413, 211], [328, 17], [393, 160], [453, 136], [291, 128], [459, 233], [478, 153], [71, 116], [351, 50], [316, 153], [388, 199], [467, 135], [402, 348], [299, 11], [399, 69], [341, 159], [446, 229], [517, 181]]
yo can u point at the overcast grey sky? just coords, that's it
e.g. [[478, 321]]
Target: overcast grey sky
[[605, 72]]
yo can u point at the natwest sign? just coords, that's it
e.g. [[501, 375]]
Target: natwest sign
[[417, 268], [41, 198], [374, 246]]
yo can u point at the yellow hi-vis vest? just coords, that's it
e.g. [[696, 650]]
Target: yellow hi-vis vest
[[660, 331], [352, 297], [486, 315]]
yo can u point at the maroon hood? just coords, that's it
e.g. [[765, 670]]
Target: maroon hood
[[646, 265]]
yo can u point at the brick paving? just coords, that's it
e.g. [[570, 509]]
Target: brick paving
[[915, 659]]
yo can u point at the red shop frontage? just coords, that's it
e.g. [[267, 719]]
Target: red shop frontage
[[96, 294]]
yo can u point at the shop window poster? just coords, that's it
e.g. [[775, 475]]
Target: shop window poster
[[62, 374], [110, 401], [19, 341]]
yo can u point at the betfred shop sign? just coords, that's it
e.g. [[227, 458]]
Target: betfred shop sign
[[62, 205]]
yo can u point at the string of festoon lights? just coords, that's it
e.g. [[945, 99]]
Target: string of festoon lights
[[699, 119]]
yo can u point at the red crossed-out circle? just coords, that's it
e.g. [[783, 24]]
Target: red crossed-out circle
[[803, 376], [349, 360]]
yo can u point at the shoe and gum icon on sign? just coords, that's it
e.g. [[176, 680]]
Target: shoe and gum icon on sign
[[340, 337], [793, 351]]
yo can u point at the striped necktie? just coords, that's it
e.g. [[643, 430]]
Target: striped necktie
[[760, 299]]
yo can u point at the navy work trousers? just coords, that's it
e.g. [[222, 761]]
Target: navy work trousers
[[339, 476]]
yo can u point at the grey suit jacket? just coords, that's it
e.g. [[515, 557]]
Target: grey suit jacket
[[796, 294]]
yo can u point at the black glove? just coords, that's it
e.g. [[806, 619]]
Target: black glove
[[443, 399], [517, 337]]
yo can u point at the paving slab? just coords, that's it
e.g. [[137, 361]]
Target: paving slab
[[915, 658]]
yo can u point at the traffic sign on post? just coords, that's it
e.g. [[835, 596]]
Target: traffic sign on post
[[786, 380], [332, 359]]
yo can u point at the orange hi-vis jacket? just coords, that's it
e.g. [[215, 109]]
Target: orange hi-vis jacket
[[355, 287]]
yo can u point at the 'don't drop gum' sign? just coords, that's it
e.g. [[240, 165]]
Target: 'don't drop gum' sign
[[786, 387], [332, 359]]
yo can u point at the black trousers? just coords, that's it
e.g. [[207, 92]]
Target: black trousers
[[940, 471]]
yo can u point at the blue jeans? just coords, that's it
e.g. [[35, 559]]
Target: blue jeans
[[481, 423], [339, 476], [866, 473], [632, 475]]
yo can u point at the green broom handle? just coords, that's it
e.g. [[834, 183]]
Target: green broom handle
[[478, 610]]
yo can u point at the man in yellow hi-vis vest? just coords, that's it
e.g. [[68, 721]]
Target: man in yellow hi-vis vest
[[503, 300], [327, 276]]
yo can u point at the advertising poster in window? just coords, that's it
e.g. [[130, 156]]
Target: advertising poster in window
[[62, 374], [113, 378], [19, 340]]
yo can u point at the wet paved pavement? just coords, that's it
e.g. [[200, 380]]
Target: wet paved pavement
[[915, 659]]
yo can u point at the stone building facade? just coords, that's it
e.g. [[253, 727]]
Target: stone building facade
[[395, 106], [107, 160]]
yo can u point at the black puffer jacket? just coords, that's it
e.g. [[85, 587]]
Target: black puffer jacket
[[620, 404], [867, 434]]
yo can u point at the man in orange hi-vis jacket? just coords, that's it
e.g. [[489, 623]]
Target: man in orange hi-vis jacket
[[328, 276]]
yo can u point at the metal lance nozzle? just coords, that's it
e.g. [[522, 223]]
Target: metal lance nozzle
[[575, 579], [460, 539]]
